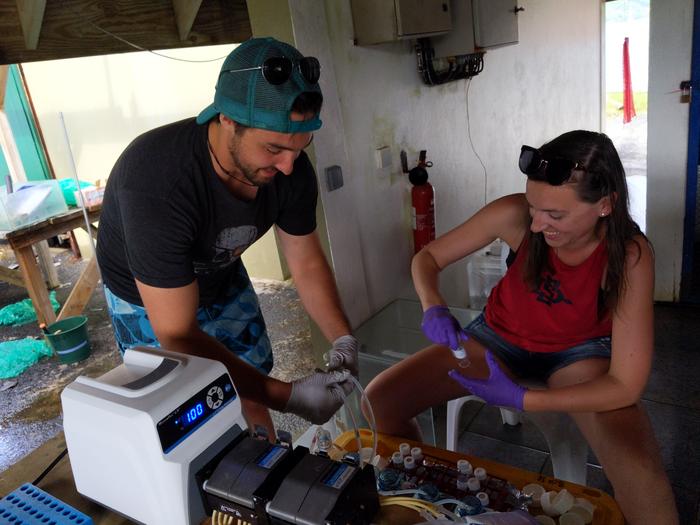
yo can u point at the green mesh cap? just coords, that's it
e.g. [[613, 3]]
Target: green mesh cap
[[247, 98]]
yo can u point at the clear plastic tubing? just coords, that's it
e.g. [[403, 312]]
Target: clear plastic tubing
[[372, 422]]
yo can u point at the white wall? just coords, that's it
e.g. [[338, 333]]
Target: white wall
[[670, 36], [109, 100], [528, 93]]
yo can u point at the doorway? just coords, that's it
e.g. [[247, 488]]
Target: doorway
[[690, 278], [626, 93]]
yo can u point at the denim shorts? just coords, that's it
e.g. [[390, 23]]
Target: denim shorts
[[536, 365], [235, 321]]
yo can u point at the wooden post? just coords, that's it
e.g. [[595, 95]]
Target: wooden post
[[82, 291], [35, 285]]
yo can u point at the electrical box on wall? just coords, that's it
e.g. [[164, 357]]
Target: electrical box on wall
[[377, 21], [495, 22], [477, 25], [460, 40]]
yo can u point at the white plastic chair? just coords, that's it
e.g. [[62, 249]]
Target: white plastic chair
[[567, 447]]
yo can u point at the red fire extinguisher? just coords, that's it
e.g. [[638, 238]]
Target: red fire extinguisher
[[423, 204]]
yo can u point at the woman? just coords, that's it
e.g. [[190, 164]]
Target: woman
[[575, 309]]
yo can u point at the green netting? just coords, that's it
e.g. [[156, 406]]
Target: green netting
[[18, 355], [68, 187], [22, 312]]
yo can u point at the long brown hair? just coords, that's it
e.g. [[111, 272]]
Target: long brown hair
[[599, 174]]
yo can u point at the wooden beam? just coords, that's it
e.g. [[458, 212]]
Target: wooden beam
[[31, 16], [185, 13], [4, 73], [35, 285], [81, 292], [92, 231], [11, 276], [50, 227], [43, 253], [75, 28]]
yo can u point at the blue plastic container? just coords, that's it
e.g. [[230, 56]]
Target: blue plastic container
[[29, 505]]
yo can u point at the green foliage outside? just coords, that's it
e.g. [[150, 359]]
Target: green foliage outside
[[613, 103]]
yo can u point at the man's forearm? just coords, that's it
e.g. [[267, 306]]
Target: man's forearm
[[319, 295], [249, 382]]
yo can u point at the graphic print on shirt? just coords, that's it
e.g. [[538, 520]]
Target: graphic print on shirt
[[549, 291], [228, 247]]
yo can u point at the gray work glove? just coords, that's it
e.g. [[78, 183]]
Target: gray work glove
[[344, 354], [318, 396]]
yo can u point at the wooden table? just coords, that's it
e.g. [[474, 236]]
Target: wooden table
[[607, 511], [59, 481], [21, 241]]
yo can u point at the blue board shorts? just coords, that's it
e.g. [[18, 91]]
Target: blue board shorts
[[235, 321], [537, 365]]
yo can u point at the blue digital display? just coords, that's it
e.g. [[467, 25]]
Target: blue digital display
[[193, 414]]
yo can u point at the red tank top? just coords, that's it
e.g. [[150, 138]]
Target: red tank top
[[561, 313]]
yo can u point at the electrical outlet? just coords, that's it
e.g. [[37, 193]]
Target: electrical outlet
[[334, 177], [383, 157]]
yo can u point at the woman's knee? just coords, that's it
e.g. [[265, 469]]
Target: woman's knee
[[379, 394], [624, 441]]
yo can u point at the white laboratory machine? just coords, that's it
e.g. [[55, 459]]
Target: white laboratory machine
[[139, 434]]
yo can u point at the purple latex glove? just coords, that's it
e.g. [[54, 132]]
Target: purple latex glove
[[497, 390], [441, 327]]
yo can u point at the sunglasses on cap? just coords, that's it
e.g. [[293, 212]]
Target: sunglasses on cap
[[556, 171], [277, 70]]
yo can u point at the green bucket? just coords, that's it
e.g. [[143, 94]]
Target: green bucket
[[69, 339]]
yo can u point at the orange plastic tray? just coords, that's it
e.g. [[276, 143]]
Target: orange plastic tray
[[607, 512]]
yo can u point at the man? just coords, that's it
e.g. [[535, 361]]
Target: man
[[185, 200]]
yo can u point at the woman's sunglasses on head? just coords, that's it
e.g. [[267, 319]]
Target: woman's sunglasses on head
[[277, 70], [556, 170]]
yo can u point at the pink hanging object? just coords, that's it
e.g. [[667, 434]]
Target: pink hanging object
[[627, 99]]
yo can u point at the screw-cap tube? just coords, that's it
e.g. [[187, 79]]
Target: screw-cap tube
[[464, 467]]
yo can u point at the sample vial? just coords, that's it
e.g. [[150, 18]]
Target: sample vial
[[397, 460], [464, 467], [417, 454], [409, 464], [405, 449], [461, 355], [462, 483], [389, 479], [473, 484], [480, 473], [483, 498], [324, 442]]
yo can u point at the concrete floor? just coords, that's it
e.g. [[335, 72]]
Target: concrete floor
[[30, 411]]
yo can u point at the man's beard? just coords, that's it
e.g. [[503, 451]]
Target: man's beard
[[250, 174]]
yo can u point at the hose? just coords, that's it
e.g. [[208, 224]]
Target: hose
[[372, 422]]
